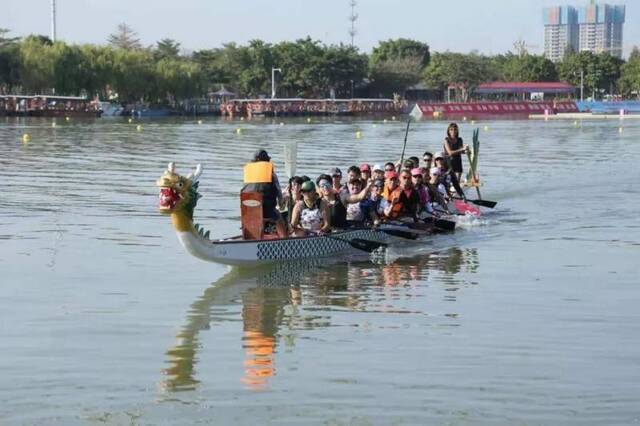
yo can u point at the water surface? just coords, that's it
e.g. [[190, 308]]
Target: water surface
[[529, 316]]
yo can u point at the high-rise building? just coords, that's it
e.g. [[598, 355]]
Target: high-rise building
[[560, 31], [596, 28], [601, 28]]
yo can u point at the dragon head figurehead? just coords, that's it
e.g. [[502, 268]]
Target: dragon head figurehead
[[179, 196]]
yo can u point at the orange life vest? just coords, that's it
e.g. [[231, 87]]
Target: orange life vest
[[258, 172], [397, 205]]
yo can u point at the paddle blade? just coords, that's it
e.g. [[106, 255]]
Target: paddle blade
[[290, 157], [365, 245], [445, 225], [484, 203]]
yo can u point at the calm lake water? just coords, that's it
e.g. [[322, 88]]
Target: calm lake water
[[528, 316]]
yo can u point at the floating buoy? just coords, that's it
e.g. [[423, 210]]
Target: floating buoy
[[53, 124], [384, 121], [473, 121], [67, 118], [620, 130], [241, 118], [575, 123], [130, 120], [486, 128], [358, 134], [199, 121], [308, 120], [26, 138], [393, 118], [238, 131], [374, 125], [281, 123], [464, 118], [139, 128]]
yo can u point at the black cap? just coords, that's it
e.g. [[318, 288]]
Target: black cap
[[261, 155]]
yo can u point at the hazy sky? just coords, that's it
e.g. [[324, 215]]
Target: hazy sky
[[489, 26]]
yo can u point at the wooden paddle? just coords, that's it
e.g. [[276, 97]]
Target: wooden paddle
[[483, 203]]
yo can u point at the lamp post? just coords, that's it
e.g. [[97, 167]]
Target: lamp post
[[273, 81]]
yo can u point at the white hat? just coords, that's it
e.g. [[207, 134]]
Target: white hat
[[435, 171], [438, 155], [378, 168]]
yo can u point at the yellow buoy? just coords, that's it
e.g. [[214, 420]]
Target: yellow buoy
[[486, 128], [308, 120], [139, 128], [393, 118], [473, 121], [238, 131], [26, 138], [53, 124], [199, 121], [130, 120], [241, 118], [358, 134], [67, 118]]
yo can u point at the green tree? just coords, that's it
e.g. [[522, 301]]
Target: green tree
[[37, 63], [124, 38], [528, 67], [9, 61], [629, 82], [167, 48], [601, 71], [344, 67], [465, 71], [400, 48]]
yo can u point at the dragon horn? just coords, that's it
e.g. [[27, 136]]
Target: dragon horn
[[172, 167], [195, 175]]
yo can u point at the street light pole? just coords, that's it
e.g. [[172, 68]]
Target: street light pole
[[273, 81], [581, 84]]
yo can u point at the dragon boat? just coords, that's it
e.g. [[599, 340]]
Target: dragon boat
[[179, 196]]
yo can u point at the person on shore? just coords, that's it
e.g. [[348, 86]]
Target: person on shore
[[311, 214], [453, 149], [260, 177]]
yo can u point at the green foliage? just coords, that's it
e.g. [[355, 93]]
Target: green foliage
[[601, 71], [528, 68], [629, 82], [124, 38], [466, 71], [167, 48], [391, 50]]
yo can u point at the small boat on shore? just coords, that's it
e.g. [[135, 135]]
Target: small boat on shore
[[178, 198]]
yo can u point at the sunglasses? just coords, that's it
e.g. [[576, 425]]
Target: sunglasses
[[416, 176], [389, 169], [428, 158], [337, 176], [406, 177]]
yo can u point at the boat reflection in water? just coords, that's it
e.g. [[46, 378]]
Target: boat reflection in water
[[279, 300]]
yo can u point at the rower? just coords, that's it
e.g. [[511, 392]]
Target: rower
[[311, 214], [261, 189]]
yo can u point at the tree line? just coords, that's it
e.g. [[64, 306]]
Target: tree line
[[165, 74]]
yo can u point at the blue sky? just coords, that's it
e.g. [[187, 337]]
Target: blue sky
[[489, 26]]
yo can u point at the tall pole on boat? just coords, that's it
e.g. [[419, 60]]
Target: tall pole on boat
[[53, 21], [273, 81]]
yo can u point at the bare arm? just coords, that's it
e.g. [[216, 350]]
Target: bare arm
[[347, 198], [295, 216], [450, 151], [326, 216]]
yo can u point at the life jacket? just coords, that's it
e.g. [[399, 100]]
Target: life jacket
[[258, 172], [398, 204]]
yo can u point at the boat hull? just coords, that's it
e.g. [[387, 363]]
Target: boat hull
[[246, 252]]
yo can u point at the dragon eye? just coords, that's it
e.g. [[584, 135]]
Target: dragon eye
[[180, 184]]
